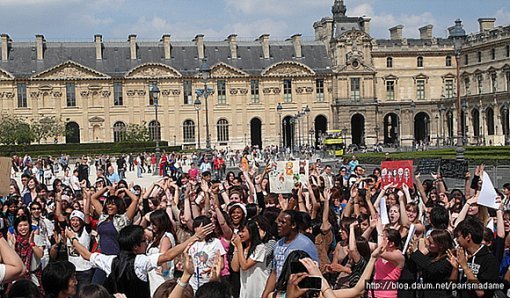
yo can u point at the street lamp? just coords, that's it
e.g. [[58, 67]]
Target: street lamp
[[154, 96], [458, 35], [306, 111], [205, 72], [292, 121], [279, 110], [197, 105], [464, 126]]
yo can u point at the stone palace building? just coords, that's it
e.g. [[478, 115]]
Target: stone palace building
[[398, 91]]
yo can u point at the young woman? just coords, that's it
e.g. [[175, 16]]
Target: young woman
[[204, 254], [29, 246], [390, 263], [249, 259], [163, 239], [30, 196], [431, 261]]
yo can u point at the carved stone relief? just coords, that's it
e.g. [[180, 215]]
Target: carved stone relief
[[8, 95], [154, 72]]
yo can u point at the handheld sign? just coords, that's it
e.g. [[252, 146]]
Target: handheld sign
[[410, 234], [287, 173], [398, 172], [384, 212], [428, 165], [451, 168], [488, 194]]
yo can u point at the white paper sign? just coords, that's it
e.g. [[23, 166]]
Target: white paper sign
[[384, 212], [283, 179], [410, 234], [490, 225], [488, 193]]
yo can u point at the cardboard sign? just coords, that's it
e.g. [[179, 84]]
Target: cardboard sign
[[5, 175], [428, 166], [398, 171], [287, 173], [452, 168]]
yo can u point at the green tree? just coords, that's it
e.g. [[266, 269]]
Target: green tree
[[14, 130], [136, 133], [48, 128]]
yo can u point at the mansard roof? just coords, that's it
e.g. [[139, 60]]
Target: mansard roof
[[116, 62]]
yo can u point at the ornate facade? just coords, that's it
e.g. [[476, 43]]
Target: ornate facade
[[395, 91]]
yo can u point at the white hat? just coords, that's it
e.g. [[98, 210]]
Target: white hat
[[240, 206], [77, 213]]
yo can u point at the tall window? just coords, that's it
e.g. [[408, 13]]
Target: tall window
[[154, 131], [390, 90], [71, 94], [22, 95], [222, 127], [319, 89], [420, 89], [480, 83], [507, 81], [479, 54], [389, 62], [254, 91], [287, 90], [117, 94], [448, 60], [222, 92], [466, 85], [355, 89], [466, 59], [493, 54], [448, 88], [188, 131], [494, 82], [119, 131], [419, 61], [151, 100], [188, 92]]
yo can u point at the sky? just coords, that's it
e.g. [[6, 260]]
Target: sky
[[79, 20]]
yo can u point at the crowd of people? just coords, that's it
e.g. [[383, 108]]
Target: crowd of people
[[203, 231]]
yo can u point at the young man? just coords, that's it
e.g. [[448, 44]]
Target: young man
[[290, 241], [477, 263], [127, 272]]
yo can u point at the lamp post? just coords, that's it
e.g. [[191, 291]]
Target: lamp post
[[437, 131], [306, 111], [458, 35], [197, 105], [464, 127], [279, 109], [442, 109], [205, 72], [154, 96]]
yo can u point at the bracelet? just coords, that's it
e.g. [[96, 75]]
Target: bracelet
[[74, 238], [182, 284]]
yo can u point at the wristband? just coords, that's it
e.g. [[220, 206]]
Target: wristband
[[74, 238], [182, 284]]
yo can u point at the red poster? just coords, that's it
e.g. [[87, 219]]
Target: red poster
[[398, 171]]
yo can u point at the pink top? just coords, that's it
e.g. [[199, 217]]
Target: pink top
[[193, 173], [385, 273]]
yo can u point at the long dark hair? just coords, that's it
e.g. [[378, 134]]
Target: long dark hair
[[443, 241], [203, 220], [161, 219], [296, 255], [255, 240]]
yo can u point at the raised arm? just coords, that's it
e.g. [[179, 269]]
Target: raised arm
[[82, 250], [353, 250], [131, 210], [326, 225], [12, 262], [94, 199], [420, 188]]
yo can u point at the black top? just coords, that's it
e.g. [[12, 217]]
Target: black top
[[123, 278], [485, 267], [431, 271]]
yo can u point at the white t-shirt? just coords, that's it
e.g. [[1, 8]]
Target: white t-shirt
[[75, 183], [74, 256], [253, 278], [2, 273], [203, 255], [155, 276]]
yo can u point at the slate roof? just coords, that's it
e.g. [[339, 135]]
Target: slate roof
[[117, 62]]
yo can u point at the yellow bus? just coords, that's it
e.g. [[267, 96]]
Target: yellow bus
[[334, 142]]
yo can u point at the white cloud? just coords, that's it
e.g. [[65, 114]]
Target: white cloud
[[502, 16], [364, 9], [411, 22], [33, 2], [256, 28], [95, 21]]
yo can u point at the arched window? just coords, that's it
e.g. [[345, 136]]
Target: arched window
[[119, 131], [389, 62], [154, 131], [448, 60], [188, 131], [222, 127], [419, 61]]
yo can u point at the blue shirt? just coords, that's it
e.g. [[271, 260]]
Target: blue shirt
[[282, 251], [114, 178]]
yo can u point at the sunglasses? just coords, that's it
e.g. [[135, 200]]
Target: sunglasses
[[35, 209]]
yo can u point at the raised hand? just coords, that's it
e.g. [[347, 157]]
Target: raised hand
[[452, 258], [378, 251], [202, 231]]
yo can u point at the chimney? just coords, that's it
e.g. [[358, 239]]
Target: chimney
[[132, 45], [296, 41], [5, 47], [232, 41], [486, 23], [426, 32], [199, 41], [166, 46], [98, 39], [366, 25], [264, 40], [39, 44], [396, 32]]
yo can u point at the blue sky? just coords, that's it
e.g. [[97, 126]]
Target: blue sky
[[216, 19]]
